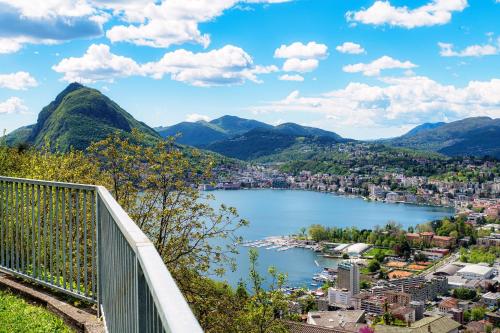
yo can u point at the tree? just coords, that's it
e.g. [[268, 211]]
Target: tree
[[373, 266], [477, 313], [464, 293], [303, 231], [420, 257], [266, 307], [158, 186]]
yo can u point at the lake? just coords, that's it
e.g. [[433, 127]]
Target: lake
[[284, 212]]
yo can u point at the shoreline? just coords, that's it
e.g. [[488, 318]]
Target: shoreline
[[349, 196]]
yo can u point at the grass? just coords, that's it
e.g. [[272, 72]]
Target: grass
[[17, 315], [375, 250]]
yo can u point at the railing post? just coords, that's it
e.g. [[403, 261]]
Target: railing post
[[98, 221], [141, 298]]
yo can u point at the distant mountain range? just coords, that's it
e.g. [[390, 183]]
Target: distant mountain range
[[77, 117], [245, 139], [477, 136], [80, 115]]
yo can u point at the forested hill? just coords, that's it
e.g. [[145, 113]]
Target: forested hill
[[77, 117], [478, 136], [223, 131]]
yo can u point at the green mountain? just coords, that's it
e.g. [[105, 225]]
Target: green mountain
[[424, 127], [77, 117], [233, 125], [224, 131], [478, 136], [299, 130], [202, 133], [193, 134], [258, 143]]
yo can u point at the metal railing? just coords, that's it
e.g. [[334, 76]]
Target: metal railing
[[78, 240]]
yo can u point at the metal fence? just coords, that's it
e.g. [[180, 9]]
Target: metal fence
[[78, 240]]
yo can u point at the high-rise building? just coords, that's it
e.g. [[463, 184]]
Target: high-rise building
[[348, 277]]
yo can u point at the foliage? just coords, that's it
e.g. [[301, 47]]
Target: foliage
[[157, 185], [79, 116], [265, 308], [463, 137], [17, 315], [388, 236], [464, 293], [478, 254], [373, 266], [475, 314]]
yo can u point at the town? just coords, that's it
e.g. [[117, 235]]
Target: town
[[424, 282], [477, 185]]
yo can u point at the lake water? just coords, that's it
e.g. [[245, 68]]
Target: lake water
[[284, 212]]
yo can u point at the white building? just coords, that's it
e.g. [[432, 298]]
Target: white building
[[475, 272], [339, 296]]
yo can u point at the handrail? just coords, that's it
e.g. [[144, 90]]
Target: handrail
[[78, 240], [170, 304]]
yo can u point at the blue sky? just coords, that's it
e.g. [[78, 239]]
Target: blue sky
[[364, 69]]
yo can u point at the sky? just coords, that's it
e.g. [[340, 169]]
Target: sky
[[365, 69]]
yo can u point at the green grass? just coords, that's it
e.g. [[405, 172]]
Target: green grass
[[17, 315], [374, 250]]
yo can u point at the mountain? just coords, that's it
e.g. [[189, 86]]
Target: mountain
[[233, 125], [193, 134], [77, 117], [423, 127], [477, 136], [202, 133], [258, 143], [299, 130], [221, 132]]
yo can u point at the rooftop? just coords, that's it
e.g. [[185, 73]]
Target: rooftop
[[475, 269], [438, 324], [335, 318]]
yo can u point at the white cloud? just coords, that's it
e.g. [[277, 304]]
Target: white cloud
[[142, 22], [194, 117], [436, 12], [171, 22], [311, 50], [13, 105], [288, 77], [97, 64], [301, 66], [395, 102], [9, 45], [46, 22], [374, 68], [446, 50], [228, 65], [17, 81], [350, 48]]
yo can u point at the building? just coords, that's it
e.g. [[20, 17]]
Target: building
[[339, 297], [419, 309], [491, 299], [420, 289], [404, 313], [491, 240], [348, 277], [457, 315], [475, 272], [430, 239], [437, 324], [443, 241], [344, 319], [398, 297], [447, 304]]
